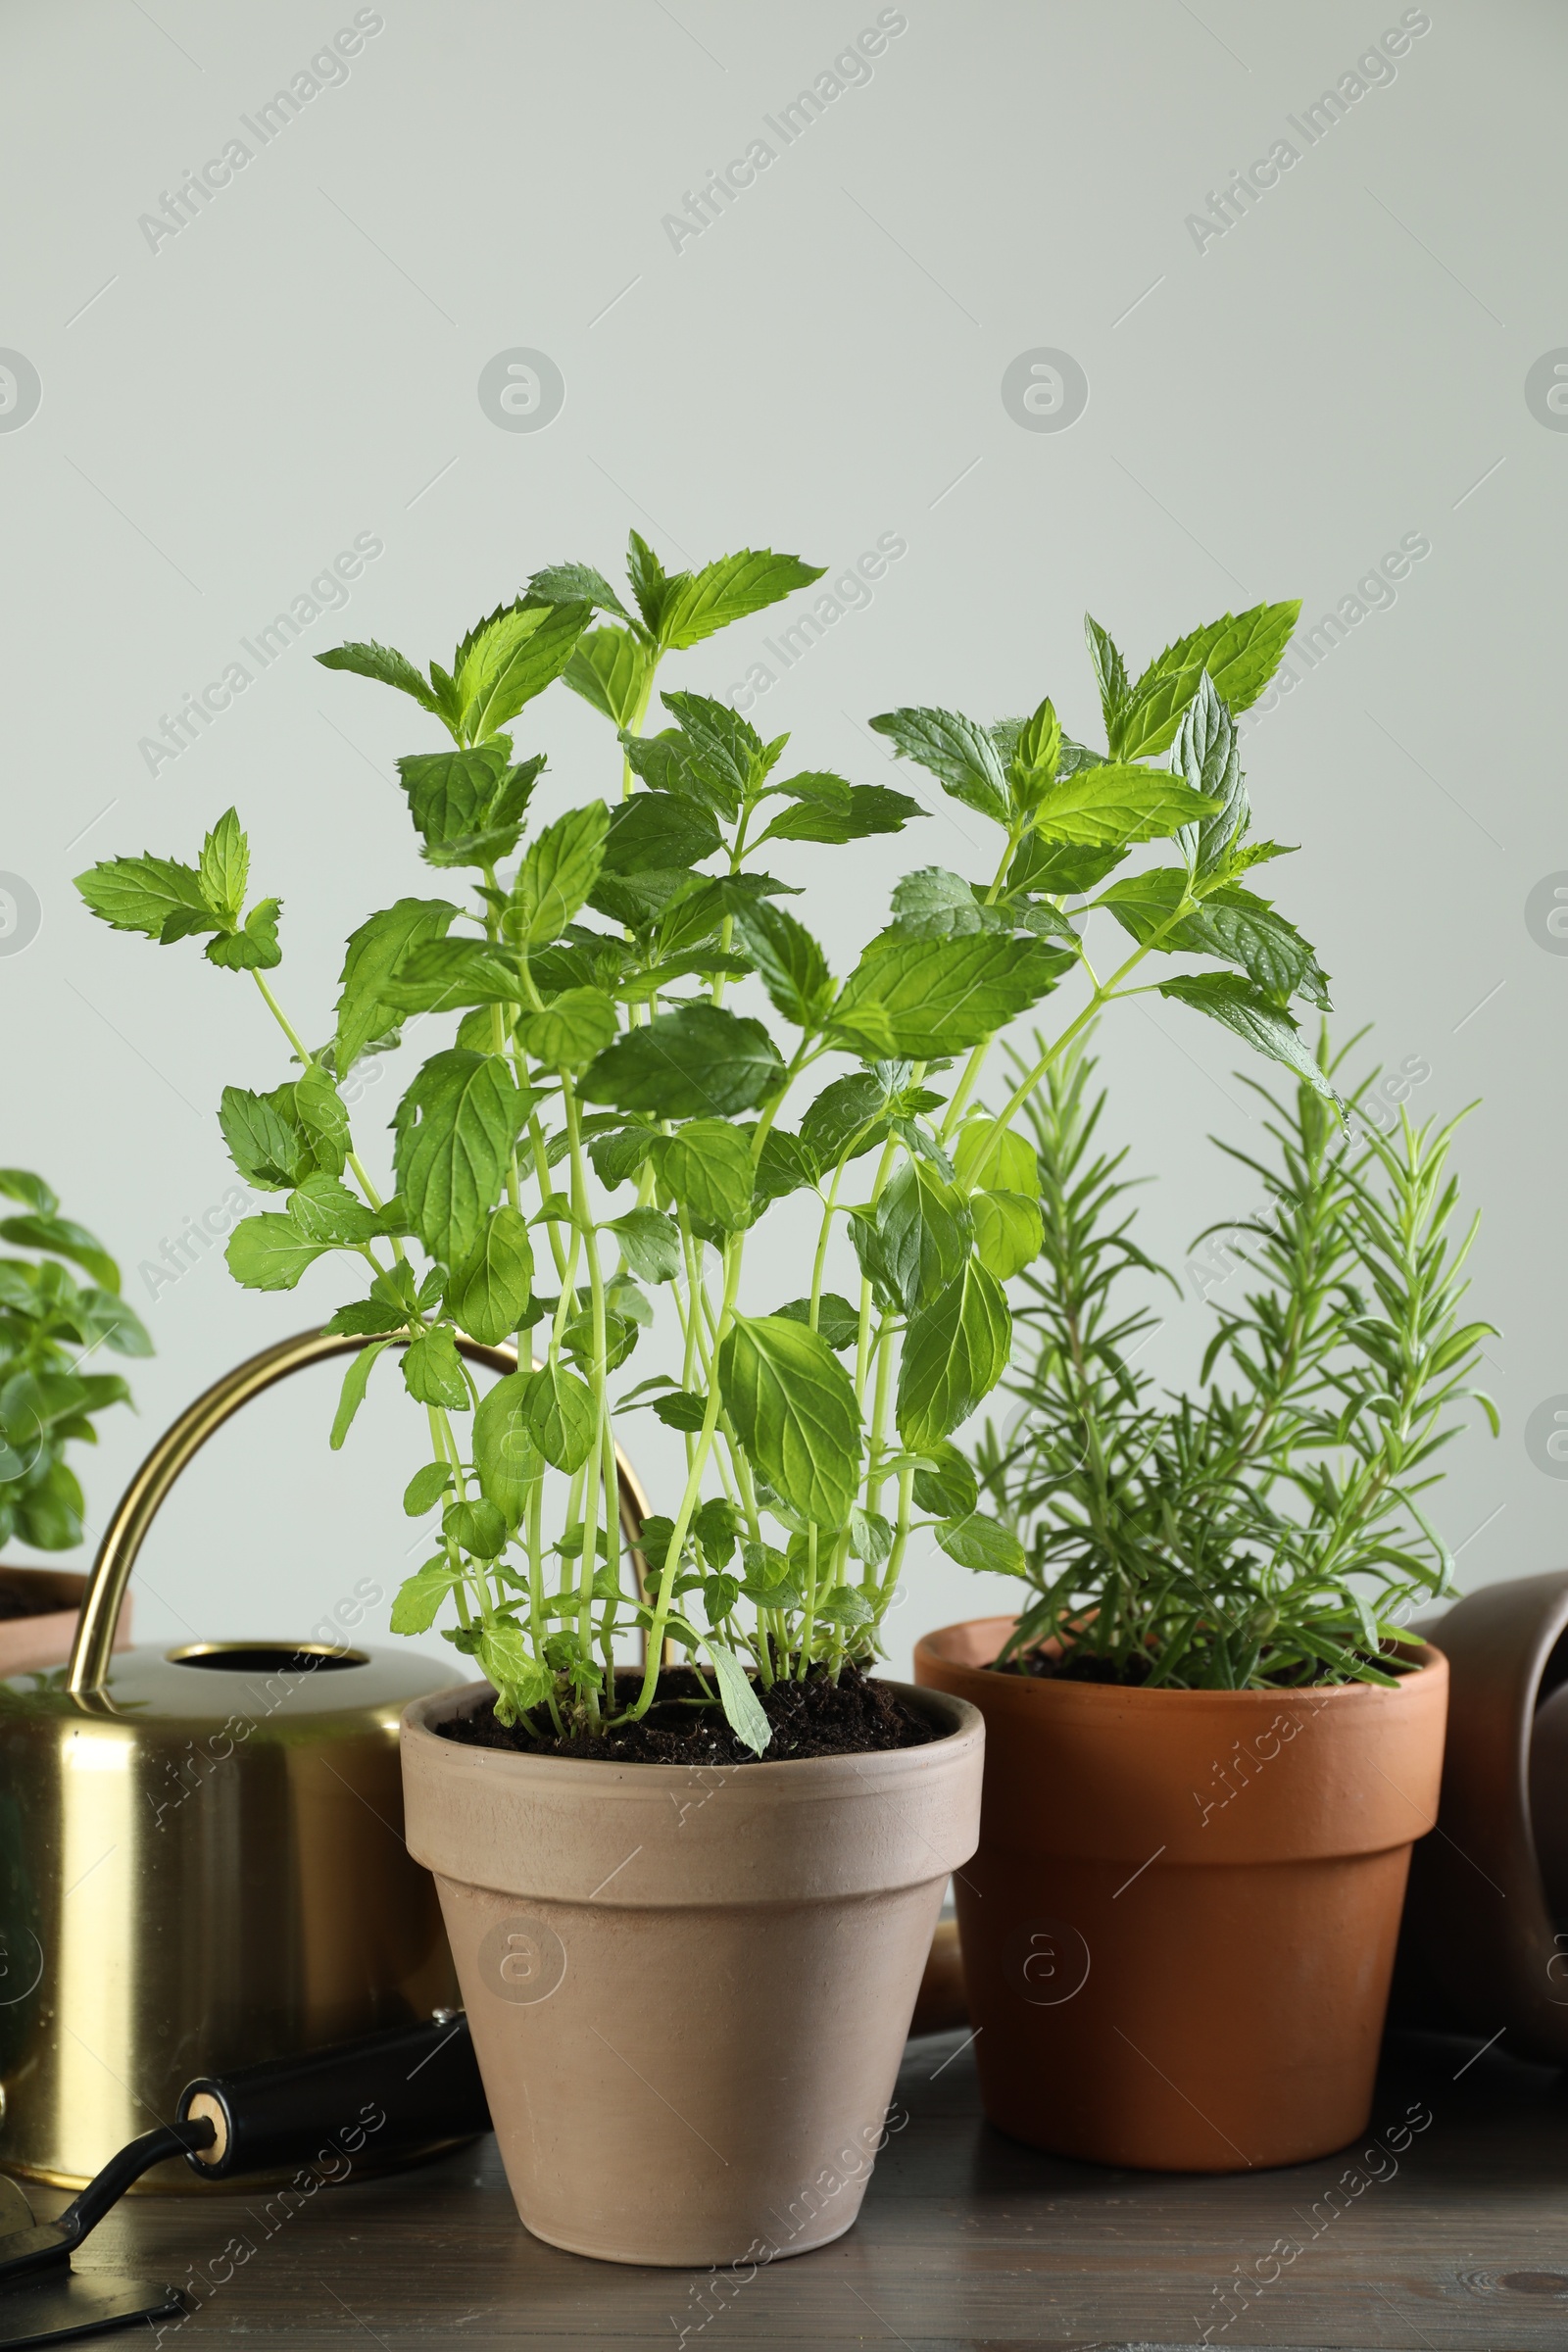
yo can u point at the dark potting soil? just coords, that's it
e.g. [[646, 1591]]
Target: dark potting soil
[[16, 1601], [855, 1716], [1082, 1666]]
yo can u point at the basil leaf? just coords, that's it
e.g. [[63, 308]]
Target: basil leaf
[[355, 1380], [791, 1405], [270, 1253], [707, 1167], [984, 1545], [743, 1709], [955, 1352], [488, 1294], [650, 1242]]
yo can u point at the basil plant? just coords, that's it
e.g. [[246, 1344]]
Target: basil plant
[[641, 1049]]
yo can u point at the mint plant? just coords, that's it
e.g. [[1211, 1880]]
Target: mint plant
[[1272, 1527], [50, 1325], [605, 1129]]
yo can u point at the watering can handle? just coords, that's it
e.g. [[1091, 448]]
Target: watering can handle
[[138, 1506]]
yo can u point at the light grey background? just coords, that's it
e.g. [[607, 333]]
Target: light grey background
[[1269, 412]]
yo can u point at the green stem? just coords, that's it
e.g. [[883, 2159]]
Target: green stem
[[733, 1251]]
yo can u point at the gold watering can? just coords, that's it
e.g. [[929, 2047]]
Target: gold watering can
[[202, 1862]]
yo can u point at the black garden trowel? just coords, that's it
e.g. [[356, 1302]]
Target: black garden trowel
[[382, 2098]]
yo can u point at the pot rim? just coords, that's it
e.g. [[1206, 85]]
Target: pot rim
[[1425, 1658], [965, 1726]]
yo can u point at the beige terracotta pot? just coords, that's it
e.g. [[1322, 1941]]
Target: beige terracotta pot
[[689, 1989], [1179, 1928], [42, 1638]]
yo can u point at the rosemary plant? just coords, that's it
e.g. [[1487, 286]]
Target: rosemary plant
[[50, 1324], [605, 1127], [1270, 1529]]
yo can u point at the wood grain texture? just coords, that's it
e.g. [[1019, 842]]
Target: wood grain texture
[[966, 2240]]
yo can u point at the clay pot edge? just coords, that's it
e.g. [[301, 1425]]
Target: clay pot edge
[[1098, 1696], [964, 1725]]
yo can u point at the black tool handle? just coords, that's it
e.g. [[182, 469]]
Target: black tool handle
[[354, 2105]]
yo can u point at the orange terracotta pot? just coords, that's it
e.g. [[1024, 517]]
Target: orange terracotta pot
[[1179, 1928], [41, 1635]]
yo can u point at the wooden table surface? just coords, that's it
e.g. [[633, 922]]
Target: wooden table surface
[[965, 2239]]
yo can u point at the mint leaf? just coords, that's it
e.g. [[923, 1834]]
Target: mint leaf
[[946, 1484], [989, 1156], [574, 583], [659, 830], [1230, 923], [323, 1210], [510, 659], [323, 1119], [1110, 676], [1243, 1008], [571, 1029], [922, 1237], [264, 1148], [681, 1065], [870, 808], [476, 1527], [556, 875], [918, 999], [388, 667], [699, 604], [720, 753], [468, 806], [458, 1123], [610, 668], [648, 584], [791, 965], [933, 903], [255, 949], [426, 1489], [441, 974], [958, 752], [1112, 806], [226, 865], [1239, 652], [374, 952], [1208, 755], [147, 894]]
